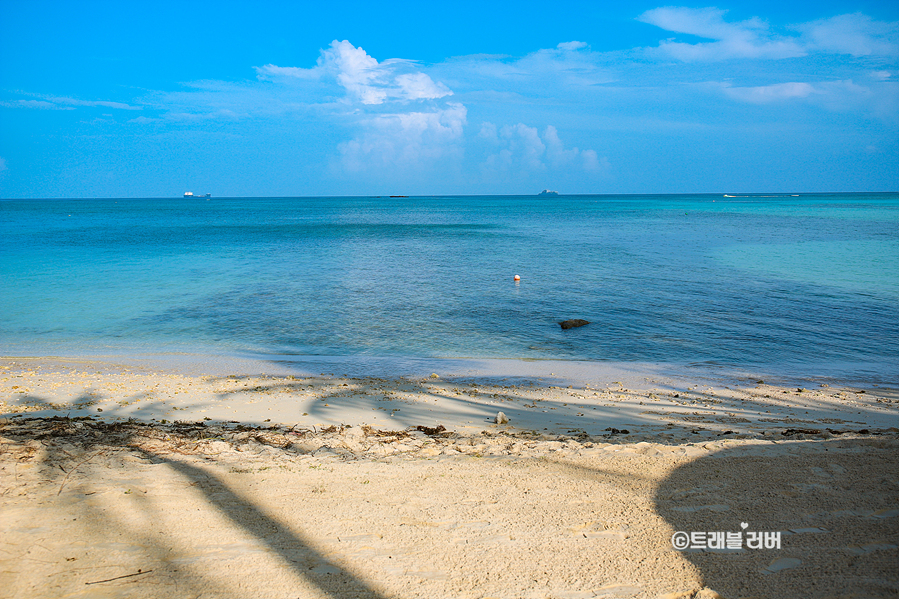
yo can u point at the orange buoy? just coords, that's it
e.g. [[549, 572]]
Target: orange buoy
[[517, 278]]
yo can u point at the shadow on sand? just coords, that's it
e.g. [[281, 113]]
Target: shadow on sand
[[64, 446], [834, 502]]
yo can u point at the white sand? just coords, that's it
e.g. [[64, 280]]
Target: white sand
[[578, 400], [550, 505]]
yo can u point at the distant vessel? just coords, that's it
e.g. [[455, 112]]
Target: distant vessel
[[548, 192], [190, 194]]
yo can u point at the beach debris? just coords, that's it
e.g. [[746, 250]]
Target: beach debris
[[800, 431], [501, 418], [434, 375], [431, 430], [516, 278], [138, 573], [78, 465], [373, 432], [704, 593], [573, 323]]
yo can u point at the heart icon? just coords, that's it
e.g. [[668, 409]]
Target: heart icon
[[743, 525]]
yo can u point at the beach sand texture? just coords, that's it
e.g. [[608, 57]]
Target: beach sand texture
[[364, 496]]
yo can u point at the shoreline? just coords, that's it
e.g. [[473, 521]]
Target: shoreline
[[208, 361]]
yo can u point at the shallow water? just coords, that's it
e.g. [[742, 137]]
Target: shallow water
[[778, 283]]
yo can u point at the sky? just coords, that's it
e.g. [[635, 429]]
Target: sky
[[152, 99]]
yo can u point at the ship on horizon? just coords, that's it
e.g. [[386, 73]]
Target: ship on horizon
[[190, 194]]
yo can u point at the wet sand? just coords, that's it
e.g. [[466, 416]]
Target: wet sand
[[126, 480]]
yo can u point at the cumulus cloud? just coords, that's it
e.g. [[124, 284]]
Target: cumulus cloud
[[742, 39], [520, 148], [364, 78], [404, 141], [416, 133], [855, 34]]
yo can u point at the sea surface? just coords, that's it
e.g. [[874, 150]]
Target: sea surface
[[776, 283]]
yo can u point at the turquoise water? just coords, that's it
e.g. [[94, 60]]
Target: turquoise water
[[771, 282]]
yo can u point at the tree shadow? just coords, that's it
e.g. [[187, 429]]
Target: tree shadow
[[66, 449], [294, 550], [834, 502]]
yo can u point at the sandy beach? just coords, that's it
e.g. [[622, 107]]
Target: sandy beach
[[132, 479]]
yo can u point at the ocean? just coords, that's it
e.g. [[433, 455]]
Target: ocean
[[775, 283]]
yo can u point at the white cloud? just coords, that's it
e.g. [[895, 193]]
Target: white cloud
[[403, 142], [743, 39], [556, 153], [76, 102], [702, 22], [364, 78], [881, 99], [39, 104], [592, 163], [521, 149], [272, 72], [418, 86], [357, 72], [855, 34], [570, 46], [416, 134], [47, 102], [488, 132], [523, 145], [549, 72], [770, 93]]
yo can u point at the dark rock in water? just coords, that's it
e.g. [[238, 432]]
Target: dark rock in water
[[574, 322]]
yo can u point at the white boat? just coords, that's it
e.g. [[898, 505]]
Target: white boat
[[190, 194]]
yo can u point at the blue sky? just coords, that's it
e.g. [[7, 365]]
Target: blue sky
[[140, 99]]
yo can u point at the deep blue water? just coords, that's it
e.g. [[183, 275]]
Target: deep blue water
[[772, 282]]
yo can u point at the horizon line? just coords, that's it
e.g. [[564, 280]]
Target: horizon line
[[733, 194]]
